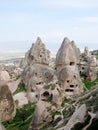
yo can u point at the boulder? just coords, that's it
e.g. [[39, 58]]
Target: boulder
[[4, 76], [7, 105], [77, 117], [41, 115], [21, 97]]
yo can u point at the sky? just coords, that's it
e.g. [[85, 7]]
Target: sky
[[21, 21]]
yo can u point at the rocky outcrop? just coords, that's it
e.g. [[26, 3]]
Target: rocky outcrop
[[7, 106], [12, 70], [37, 72], [70, 81], [88, 65], [67, 70], [4, 76], [68, 54], [79, 113], [37, 54], [42, 84], [22, 99]]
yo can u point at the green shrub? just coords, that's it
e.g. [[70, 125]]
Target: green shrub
[[21, 87], [50, 86], [89, 84], [22, 119]]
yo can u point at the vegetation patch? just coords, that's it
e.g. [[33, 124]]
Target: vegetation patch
[[21, 87], [64, 102], [89, 84], [50, 86], [22, 119]]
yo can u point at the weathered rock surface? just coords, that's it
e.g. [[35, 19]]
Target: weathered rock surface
[[4, 76], [21, 98], [88, 65], [37, 72], [7, 106], [2, 127], [37, 54], [70, 81], [77, 117], [13, 85], [12, 70], [79, 113], [68, 54], [67, 71]]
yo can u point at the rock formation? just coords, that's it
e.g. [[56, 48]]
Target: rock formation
[[68, 54], [7, 106], [88, 65], [4, 76], [80, 113], [37, 54], [67, 71], [37, 72], [2, 127], [70, 81], [41, 83], [56, 88]]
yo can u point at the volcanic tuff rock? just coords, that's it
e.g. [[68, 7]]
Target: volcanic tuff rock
[[41, 83], [1, 127], [37, 72], [68, 54], [37, 54], [4, 76], [89, 65], [67, 70], [7, 106], [70, 81], [80, 113]]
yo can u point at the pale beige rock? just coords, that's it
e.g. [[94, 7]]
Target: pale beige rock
[[41, 115], [35, 75], [37, 54], [91, 73], [7, 105], [68, 54], [21, 98], [70, 81], [4, 76], [87, 52], [89, 66], [77, 117], [2, 127], [13, 85]]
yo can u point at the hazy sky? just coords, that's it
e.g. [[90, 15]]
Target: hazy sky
[[52, 20]]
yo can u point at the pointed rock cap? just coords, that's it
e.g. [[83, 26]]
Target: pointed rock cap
[[38, 41], [73, 43], [67, 54], [66, 40]]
